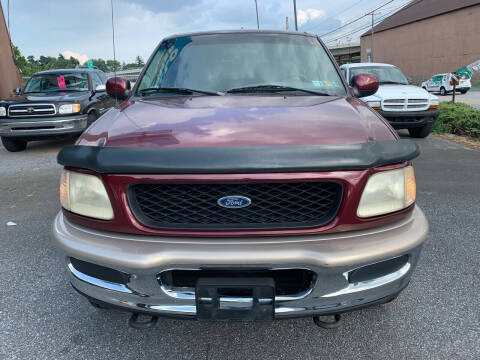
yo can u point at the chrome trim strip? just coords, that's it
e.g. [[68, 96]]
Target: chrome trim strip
[[370, 284], [189, 294], [98, 282], [183, 309]]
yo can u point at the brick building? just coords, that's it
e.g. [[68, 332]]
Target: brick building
[[427, 37]]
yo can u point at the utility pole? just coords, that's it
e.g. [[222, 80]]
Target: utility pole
[[8, 17], [373, 24], [373, 14], [349, 41], [256, 9], [295, 13]]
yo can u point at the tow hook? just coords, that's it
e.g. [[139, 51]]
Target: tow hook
[[335, 324], [144, 324]]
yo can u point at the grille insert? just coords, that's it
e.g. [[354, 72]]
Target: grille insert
[[26, 110], [274, 204]]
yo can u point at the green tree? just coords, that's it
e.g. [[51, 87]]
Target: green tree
[[139, 61], [113, 65]]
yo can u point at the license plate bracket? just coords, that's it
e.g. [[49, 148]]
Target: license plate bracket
[[237, 299]]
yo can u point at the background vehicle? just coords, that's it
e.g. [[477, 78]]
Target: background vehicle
[[54, 104], [241, 179], [405, 106], [441, 83]]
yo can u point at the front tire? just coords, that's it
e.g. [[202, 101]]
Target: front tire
[[92, 116], [421, 132], [443, 91], [464, 92], [14, 145]]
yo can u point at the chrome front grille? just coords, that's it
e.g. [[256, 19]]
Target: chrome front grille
[[27, 110], [405, 104]]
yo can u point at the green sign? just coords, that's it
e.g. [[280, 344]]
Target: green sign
[[89, 64], [467, 71], [464, 72]]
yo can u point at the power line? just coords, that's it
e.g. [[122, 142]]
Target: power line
[[363, 27], [335, 15], [366, 26], [357, 19]]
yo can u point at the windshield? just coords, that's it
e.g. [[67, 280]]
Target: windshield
[[222, 62], [57, 82], [385, 75]]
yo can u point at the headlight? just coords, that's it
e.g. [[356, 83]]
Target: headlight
[[387, 192], [69, 108], [3, 111], [376, 105], [434, 104], [85, 194]]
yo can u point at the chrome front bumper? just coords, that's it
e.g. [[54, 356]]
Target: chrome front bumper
[[12, 127], [330, 256]]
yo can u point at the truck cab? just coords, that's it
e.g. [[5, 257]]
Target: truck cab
[[54, 104], [405, 106]]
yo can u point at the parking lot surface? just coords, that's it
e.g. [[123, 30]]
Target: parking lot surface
[[471, 98], [436, 317]]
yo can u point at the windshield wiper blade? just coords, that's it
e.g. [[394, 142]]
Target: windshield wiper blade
[[273, 88], [179, 91], [392, 82]]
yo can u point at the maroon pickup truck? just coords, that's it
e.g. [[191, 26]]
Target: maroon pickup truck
[[240, 179]]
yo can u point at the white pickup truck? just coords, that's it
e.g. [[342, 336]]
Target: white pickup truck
[[405, 106]]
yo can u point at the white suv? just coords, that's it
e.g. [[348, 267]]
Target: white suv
[[404, 106], [442, 83]]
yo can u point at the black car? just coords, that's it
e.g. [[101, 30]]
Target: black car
[[54, 104]]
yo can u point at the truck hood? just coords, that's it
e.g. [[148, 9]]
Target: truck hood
[[394, 91], [57, 96], [207, 121]]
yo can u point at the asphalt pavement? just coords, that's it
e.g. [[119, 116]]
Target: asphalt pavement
[[472, 97], [436, 317]]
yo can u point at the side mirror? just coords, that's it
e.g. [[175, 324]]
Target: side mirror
[[100, 88], [410, 80], [118, 87], [365, 85], [17, 91]]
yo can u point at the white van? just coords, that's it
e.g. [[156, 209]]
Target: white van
[[405, 106], [441, 83]]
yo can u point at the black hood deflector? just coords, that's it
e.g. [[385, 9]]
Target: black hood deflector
[[237, 159]]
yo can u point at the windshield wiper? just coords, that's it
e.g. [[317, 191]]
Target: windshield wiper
[[185, 91], [392, 82], [273, 88]]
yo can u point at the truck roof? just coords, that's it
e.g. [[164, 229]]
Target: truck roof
[[353, 65], [216, 32], [59, 71]]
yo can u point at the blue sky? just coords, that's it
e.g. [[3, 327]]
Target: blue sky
[[82, 27]]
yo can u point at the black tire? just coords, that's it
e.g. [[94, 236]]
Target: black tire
[[92, 116], [14, 145], [421, 132], [464, 92], [443, 91]]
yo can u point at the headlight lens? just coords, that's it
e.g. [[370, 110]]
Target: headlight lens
[[387, 192], [375, 104], [85, 194], [3, 111], [69, 108]]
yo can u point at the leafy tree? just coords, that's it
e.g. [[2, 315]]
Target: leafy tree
[[139, 61], [29, 65]]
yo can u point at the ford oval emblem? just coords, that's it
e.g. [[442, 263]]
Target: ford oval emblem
[[234, 202]]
